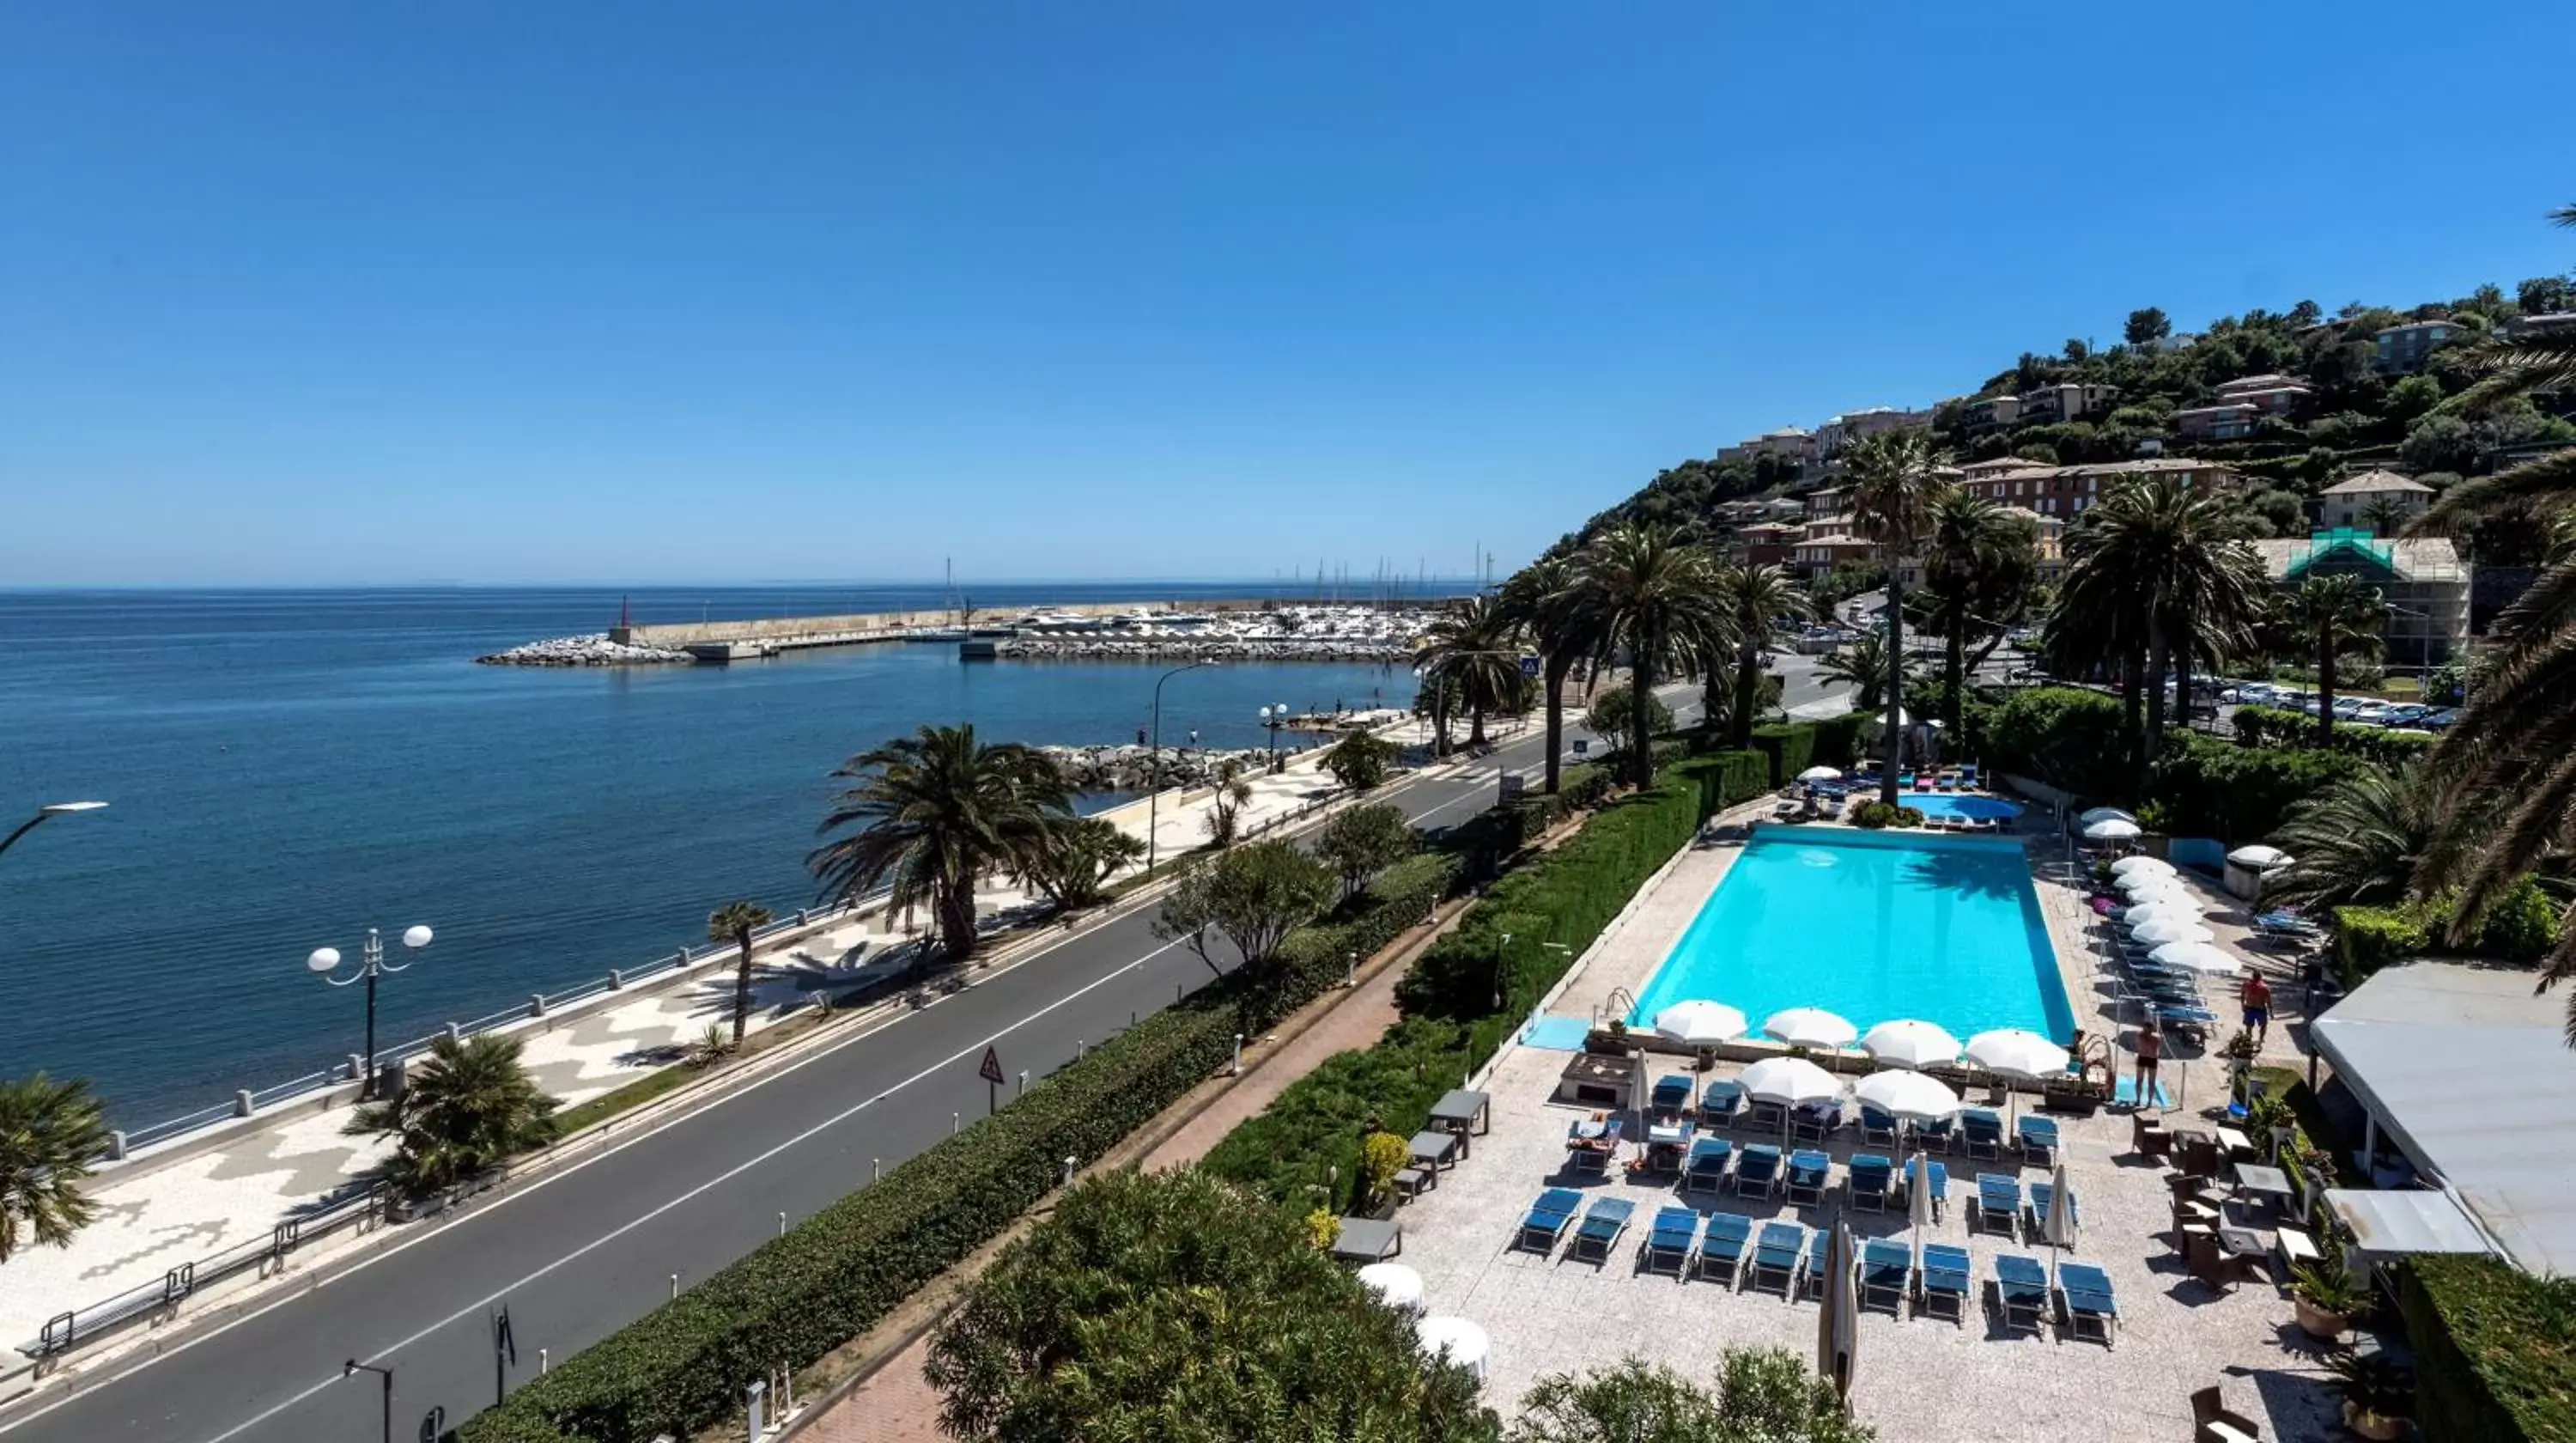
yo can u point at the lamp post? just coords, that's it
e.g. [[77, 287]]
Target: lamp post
[[47, 813], [1154, 766], [1274, 717], [371, 965], [353, 1367]]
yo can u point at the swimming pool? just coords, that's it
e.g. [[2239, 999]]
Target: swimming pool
[[1874, 926], [1953, 804]]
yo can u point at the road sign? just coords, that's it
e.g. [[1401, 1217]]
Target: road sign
[[1581, 746], [991, 1071], [1529, 666]]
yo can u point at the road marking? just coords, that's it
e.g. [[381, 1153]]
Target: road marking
[[469, 1310]]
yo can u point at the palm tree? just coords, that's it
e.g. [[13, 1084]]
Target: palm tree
[[2385, 515], [1860, 664], [2331, 615], [2359, 841], [934, 812], [1895, 478], [50, 1132], [1474, 642], [1979, 566], [1751, 601], [1541, 599], [735, 922], [470, 1107], [1644, 589]]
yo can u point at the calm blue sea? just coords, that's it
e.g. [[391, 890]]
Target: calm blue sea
[[287, 768]]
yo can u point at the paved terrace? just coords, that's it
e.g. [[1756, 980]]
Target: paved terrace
[[1920, 1378]]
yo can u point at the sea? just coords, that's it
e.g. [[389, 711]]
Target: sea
[[286, 769]]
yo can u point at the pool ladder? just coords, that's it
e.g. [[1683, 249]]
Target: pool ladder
[[1619, 1003]]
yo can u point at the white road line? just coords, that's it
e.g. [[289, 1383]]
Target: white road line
[[480, 1305]]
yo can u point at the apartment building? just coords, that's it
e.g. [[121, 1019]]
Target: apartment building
[[2352, 503], [2066, 401], [2404, 349], [1850, 426], [2422, 579], [2063, 492]]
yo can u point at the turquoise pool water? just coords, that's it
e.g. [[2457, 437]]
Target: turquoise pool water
[[1949, 804], [1874, 926]]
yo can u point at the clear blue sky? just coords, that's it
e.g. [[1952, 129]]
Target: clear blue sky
[[320, 292]]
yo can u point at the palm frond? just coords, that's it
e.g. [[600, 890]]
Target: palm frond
[[2546, 482]]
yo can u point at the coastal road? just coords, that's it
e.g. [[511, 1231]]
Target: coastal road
[[580, 1252]]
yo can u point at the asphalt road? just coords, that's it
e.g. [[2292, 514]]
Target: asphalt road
[[576, 1254]]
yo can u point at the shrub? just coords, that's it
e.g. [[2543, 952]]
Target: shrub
[[1877, 815], [2262, 726], [1789, 748], [1361, 760], [2369, 938], [1614, 717], [1361, 841], [2064, 736], [2495, 1349], [2206, 787]]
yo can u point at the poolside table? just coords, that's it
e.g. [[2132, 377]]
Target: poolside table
[[1462, 1111], [2234, 1143], [2264, 1182], [1435, 1147], [1368, 1240]]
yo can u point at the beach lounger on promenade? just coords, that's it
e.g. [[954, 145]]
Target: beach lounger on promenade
[[1717, 1103], [2038, 1139], [1757, 1168], [1602, 1224], [2089, 1304], [2021, 1290], [1940, 1179], [1767, 1119], [2041, 1195], [1998, 1201], [1870, 1181], [1981, 1130], [1877, 1128], [1936, 1135], [1722, 1247], [1775, 1255], [1675, 1233], [1944, 1280], [1808, 1170], [1811, 1272], [1707, 1167], [1672, 1094], [1886, 1274], [1547, 1219]]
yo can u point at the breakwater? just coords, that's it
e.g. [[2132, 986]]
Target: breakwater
[[594, 649], [1385, 651]]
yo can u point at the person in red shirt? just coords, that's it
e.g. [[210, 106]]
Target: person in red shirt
[[2257, 997]]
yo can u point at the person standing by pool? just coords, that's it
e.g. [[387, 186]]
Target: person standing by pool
[[2151, 1049], [2257, 997]]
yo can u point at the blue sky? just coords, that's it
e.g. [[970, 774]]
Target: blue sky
[[316, 293]]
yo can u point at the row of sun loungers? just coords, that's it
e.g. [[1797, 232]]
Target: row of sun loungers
[[1783, 1257], [1977, 1132], [1872, 1182]]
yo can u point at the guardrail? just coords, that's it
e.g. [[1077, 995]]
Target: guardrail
[[65, 1331]]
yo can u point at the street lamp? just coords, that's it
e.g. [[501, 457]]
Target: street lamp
[[353, 1367], [371, 965], [46, 813], [1274, 717], [1154, 764]]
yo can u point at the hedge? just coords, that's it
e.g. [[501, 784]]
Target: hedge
[[2521, 926], [797, 1297], [2495, 1350], [2205, 787], [2065, 736], [2264, 726]]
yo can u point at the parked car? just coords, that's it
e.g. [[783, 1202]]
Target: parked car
[[2369, 713], [2405, 714], [2438, 719]]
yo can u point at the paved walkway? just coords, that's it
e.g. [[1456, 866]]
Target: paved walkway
[[153, 1218]]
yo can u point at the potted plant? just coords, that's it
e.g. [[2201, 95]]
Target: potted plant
[[2377, 1394], [2326, 1298]]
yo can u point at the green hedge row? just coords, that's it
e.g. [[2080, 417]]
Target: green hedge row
[[2264, 726], [1795, 746], [831, 1278], [2522, 926], [2495, 1350]]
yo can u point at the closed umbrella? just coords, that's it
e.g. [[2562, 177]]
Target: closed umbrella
[[1457, 1339], [1908, 1094], [2112, 829], [2128, 866], [2199, 957], [1700, 1024], [1909, 1043], [1918, 1198], [1838, 1325], [1396, 1285], [2091, 815], [1821, 774], [2259, 857], [2059, 1225], [2157, 934], [1810, 1027]]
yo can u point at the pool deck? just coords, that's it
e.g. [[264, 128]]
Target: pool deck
[[1919, 1378]]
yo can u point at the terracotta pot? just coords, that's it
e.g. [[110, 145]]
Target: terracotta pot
[[2373, 1425], [2317, 1322]]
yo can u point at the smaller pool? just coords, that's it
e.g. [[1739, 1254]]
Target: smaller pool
[[1951, 804]]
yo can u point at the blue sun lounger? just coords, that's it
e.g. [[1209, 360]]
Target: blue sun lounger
[[1811, 1273], [1675, 1233], [1775, 1254], [2021, 1287], [1599, 1231], [1944, 1280], [1877, 1127], [2038, 1139], [2089, 1305], [1886, 1273], [1672, 1094], [1756, 1169], [1717, 1103], [1721, 1248], [1981, 1129], [1940, 1186], [1870, 1181], [2041, 1195], [1707, 1166], [1808, 1170], [1998, 1201], [1547, 1219], [1936, 1134]]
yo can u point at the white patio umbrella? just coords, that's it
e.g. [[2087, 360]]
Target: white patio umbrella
[[2016, 1052], [2128, 866], [1461, 1341], [1396, 1285], [1908, 1094], [2259, 856], [1838, 1324], [2138, 884], [2089, 816], [1700, 1024], [2111, 829], [1918, 1198], [1821, 774], [2164, 909], [2157, 934], [1810, 1027], [1909, 1043], [2199, 957], [1791, 1082], [2059, 1225]]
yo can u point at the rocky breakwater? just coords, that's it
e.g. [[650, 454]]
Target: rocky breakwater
[[1207, 648], [1131, 769], [594, 649]]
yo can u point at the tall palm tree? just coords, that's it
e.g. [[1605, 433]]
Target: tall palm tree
[[735, 922], [1895, 478], [1645, 590], [2358, 841], [469, 1107], [1475, 642], [50, 1132], [1751, 600], [2385, 515], [934, 812], [1860, 664], [1980, 562], [2329, 616], [1541, 599]]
